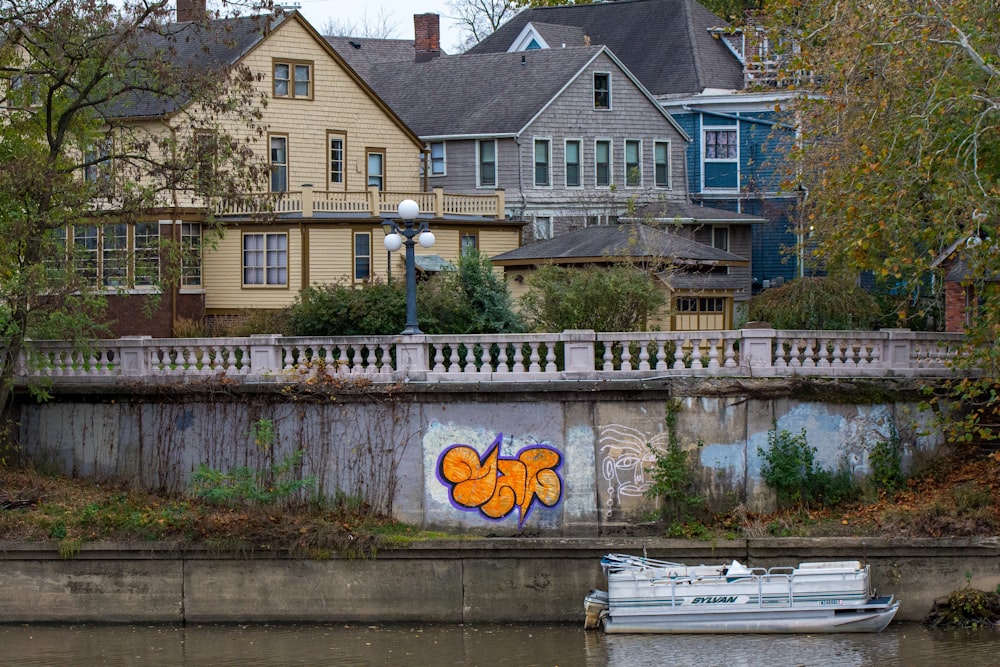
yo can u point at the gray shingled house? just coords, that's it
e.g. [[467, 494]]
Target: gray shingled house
[[570, 135], [718, 81]]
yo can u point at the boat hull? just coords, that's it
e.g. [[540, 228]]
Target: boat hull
[[651, 596], [872, 617]]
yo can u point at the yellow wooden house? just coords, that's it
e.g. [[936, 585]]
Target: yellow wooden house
[[338, 163]]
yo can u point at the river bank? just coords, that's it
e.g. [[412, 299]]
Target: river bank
[[487, 580]]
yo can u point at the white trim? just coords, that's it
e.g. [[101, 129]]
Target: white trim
[[581, 176], [611, 161], [593, 83], [670, 166], [496, 170], [733, 127], [528, 33], [534, 176], [625, 143], [430, 158]]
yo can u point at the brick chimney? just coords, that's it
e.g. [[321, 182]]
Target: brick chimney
[[426, 36], [191, 10]]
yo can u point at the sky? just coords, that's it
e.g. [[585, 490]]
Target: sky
[[399, 13]]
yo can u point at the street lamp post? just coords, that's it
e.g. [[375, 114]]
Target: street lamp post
[[397, 236]]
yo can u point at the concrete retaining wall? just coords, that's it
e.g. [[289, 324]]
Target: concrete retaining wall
[[549, 458], [475, 581]]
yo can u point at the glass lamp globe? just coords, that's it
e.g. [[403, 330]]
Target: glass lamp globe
[[426, 239], [392, 242], [408, 209]]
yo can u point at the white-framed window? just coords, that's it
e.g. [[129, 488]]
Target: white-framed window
[[661, 164], [293, 79], [602, 163], [633, 163], [438, 163], [543, 163], [541, 227], [574, 163], [190, 254], [279, 163], [362, 256], [335, 142], [602, 90], [376, 169], [720, 238], [721, 157], [486, 163], [265, 259]]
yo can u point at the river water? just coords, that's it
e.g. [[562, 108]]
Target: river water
[[517, 645]]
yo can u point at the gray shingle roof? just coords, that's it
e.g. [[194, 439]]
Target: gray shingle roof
[[686, 210], [189, 47], [500, 92], [360, 52], [626, 240], [665, 43]]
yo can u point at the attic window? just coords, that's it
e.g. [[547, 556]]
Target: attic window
[[602, 90], [293, 79]]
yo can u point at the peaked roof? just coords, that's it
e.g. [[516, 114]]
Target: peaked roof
[[633, 240], [665, 43], [489, 94]]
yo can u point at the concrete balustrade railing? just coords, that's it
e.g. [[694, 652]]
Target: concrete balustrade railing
[[570, 355]]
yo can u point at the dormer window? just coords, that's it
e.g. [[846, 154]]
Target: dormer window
[[602, 90], [293, 79]]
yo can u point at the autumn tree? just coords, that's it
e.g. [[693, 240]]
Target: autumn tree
[[899, 151], [109, 112]]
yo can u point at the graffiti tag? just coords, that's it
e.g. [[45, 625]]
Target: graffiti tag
[[496, 485]]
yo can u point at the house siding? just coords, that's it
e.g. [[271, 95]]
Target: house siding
[[339, 103]]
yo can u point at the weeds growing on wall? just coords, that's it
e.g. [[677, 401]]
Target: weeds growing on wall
[[673, 479], [886, 461], [267, 485]]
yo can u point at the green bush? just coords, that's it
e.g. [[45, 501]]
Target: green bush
[[469, 300], [817, 303], [886, 460], [790, 469], [615, 298]]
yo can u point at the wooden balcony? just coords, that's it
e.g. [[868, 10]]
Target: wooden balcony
[[372, 202]]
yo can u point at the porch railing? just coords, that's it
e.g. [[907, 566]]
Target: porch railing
[[371, 202], [570, 355]]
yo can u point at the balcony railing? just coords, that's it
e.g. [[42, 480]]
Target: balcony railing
[[371, 202], [570, 355]]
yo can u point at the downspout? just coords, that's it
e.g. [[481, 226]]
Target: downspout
[[520, 179]]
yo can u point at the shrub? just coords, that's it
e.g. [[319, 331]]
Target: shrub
[[817, 303], [469, 300], [616, 298], [788, 465]]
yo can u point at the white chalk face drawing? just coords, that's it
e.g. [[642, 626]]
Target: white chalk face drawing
[[624, 458]]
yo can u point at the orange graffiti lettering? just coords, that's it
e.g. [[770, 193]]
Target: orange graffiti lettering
[[496, 485]]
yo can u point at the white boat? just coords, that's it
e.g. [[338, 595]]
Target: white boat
[[649, 595]]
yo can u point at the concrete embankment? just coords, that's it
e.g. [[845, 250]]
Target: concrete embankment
[[447, 581]]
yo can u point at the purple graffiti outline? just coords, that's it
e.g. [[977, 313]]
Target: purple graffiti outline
[[489, 452]]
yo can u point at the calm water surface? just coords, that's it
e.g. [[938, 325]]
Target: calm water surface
[[521, 645]]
